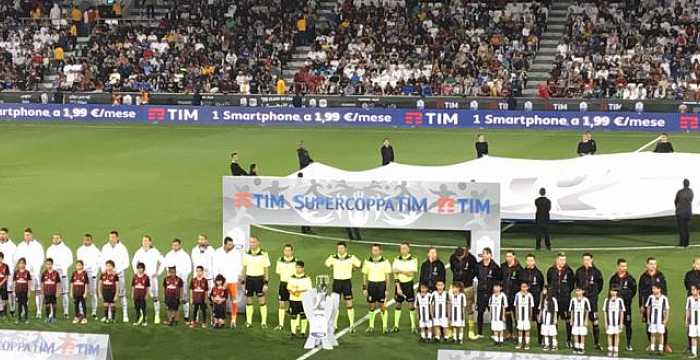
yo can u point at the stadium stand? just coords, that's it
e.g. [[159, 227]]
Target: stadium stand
[[632, 50]]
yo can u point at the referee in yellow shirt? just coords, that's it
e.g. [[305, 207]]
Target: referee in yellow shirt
[[343, 264], [256, 268], [297, 285], [284, 268], [405, 267], [376, 272]]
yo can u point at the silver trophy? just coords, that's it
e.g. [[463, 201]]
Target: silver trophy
[[320, 307]]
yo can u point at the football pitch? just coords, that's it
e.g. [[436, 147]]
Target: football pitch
[[166, 181]]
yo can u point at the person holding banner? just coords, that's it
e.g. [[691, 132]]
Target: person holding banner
[[303, 155], [343, 264], [387, 152], [684, 212], [256, 265], [663, 145], [376, 272], [236, 169]]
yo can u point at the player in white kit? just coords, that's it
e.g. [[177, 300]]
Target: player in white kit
[[458, 310], [524, 306], [498, 304], [657, 316], [203, 255], [33, 253], [692, 319], [8, 248], [155, 264], [579, 307], [614, 311], [62, 261], [183, 265], [549, 308], [425, 319], [90, 255], [116, 251], [440, 315]]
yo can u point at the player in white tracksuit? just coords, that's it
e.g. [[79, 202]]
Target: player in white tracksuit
[[91, 257], [62, 261], [228, 263], [31, 250], [116, 251], [8, 248], [155, 263], [183, 267], [203, 255]]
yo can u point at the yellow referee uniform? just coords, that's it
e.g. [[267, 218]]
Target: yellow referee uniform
[[377, 272], [285, 269], [405, 269], [342, 267], [256, 264], [297, 285]]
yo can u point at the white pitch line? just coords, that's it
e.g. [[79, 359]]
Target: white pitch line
[[332, 238], [648, 144]]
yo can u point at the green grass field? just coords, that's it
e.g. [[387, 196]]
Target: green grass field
[[166, 181]]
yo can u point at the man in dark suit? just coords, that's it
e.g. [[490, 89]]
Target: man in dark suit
[[387, 152], [304, 157], [684, 211], [543, 206], [236, 169], [663, 146]]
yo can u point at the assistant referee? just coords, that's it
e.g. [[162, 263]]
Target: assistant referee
[[256, 266], [343, 264], [405, 267]]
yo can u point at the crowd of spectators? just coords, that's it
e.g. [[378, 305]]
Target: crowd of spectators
[[632, 49], [453, 47]]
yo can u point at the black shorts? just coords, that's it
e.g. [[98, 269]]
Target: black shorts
[[173, 304], [22, 297], [283, 294], [376, 292], [593, 316], [3, 293], [344, 288], [409, 294], [254, 286], [482, 300], [219, 311], [108, 296], [296, 308], [594, 304], [50, 299], [511, 302]]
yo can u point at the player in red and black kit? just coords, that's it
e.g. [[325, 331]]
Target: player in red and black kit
[[50, 279], [139, 288], [22, 279], [173, 294], [4, 276], [79, 283], [109, 283], [218, 297], [200, 288]]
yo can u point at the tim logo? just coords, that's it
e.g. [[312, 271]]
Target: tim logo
[[413, 118], [688, 122], [242, 199], [156, 114], [446, 205]]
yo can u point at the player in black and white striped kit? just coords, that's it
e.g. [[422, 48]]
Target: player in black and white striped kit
[[657, 316], [524, 305], [425, 319], [614, 310], [549, 308], [498, 304], [458, 307], [692, 319], [579, 307], [438, 299]]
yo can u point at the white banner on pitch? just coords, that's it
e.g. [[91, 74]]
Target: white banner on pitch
[[44, 345]]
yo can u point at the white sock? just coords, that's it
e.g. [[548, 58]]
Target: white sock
[[39, 303], [461, 334], [554, 342], [430, 334], [422, 334], [500, 337], [156, 308], [12, 299], [66, 304], [527, 341], [694, 349], [125, 312], [94, 304], [186, 310]]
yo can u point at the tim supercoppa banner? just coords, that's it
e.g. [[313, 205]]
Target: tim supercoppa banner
[[44, 345], [350, 117], [366, 204]]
